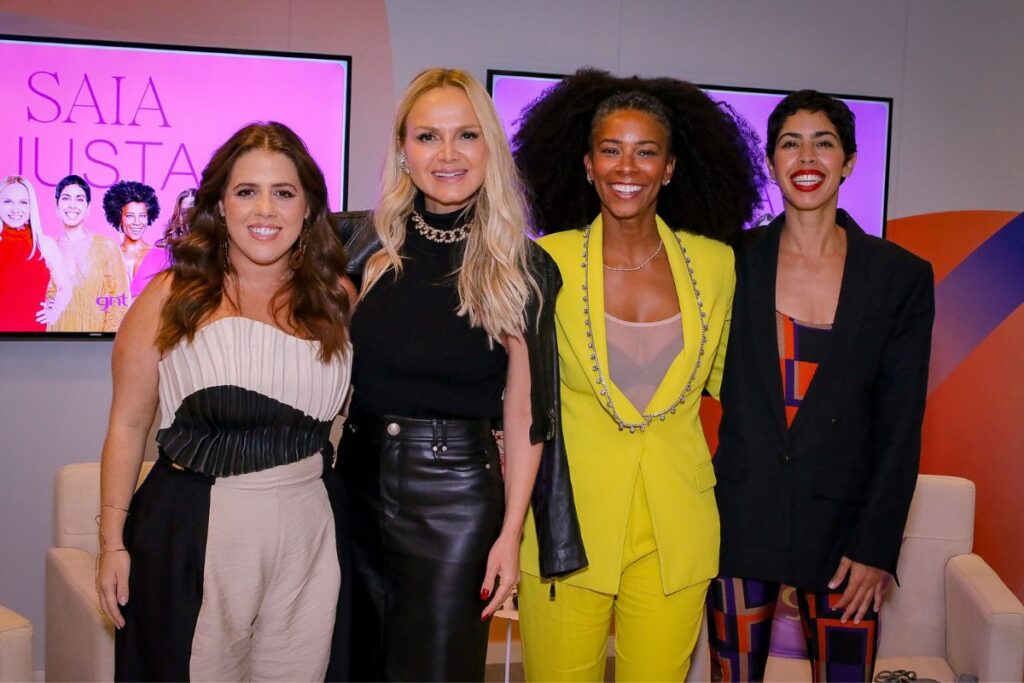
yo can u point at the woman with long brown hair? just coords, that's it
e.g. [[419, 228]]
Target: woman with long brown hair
[[224, 565], [177, 226]]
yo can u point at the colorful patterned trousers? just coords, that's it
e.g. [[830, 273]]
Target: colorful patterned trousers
[[740, 615]]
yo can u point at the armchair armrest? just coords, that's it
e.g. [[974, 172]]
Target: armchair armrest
[[15, 647], [79, 638], [984, 622]]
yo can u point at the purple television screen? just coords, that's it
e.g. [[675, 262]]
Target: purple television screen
[[863, 194], [113, 114]]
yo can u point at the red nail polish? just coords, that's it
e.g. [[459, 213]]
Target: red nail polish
[[484, 594]]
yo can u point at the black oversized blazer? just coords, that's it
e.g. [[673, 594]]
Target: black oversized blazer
[[839, 481]]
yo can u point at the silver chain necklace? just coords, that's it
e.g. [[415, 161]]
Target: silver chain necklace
[[596, 367], [636, 268], [436, 235]]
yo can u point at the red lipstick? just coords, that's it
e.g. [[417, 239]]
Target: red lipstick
[[807, 180]]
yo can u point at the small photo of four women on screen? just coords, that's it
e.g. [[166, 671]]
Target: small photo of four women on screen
[[80, 281], [520, 414]]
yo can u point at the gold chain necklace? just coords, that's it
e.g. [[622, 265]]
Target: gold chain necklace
[[436, 235], [596, 367], [636, 268]]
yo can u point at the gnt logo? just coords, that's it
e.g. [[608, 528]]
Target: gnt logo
[[105, 302]]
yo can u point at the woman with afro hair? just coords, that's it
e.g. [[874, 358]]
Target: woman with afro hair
[[162, 258], [130, 208], [638, 185]]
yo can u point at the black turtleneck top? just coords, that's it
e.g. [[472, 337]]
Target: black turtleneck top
[[412, 355]]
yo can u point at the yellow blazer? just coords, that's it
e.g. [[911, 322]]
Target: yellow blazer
[[670, 454]]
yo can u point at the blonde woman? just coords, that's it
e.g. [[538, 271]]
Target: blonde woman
[[31, 264], [441, 358]]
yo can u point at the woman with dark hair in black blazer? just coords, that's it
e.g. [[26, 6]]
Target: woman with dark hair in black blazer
[[823, 398]]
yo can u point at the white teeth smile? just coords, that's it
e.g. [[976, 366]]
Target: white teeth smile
[[807, 180], [625, 189], [449, 174], [264, 231]]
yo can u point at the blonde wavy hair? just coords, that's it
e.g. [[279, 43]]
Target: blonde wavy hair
[[34, 223], [494, 278]]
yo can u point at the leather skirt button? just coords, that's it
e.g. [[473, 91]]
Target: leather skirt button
[[394, 429]]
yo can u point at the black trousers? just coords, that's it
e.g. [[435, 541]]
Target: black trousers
[[426, 502]]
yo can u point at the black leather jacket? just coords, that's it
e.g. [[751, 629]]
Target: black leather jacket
[[558, 528]]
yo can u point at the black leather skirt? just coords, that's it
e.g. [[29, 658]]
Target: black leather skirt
[[426, 502]]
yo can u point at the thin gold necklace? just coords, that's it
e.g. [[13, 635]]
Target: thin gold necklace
[[636, 268]]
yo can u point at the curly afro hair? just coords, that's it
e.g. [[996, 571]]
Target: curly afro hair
[[715, 189], [127, 191]]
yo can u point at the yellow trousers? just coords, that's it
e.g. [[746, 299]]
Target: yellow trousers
[[564, 639]]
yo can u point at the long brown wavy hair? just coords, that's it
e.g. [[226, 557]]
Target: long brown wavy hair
[[312, 302]]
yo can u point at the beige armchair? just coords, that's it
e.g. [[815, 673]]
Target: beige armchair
[[15, 647], [79, 639], [951, 614]]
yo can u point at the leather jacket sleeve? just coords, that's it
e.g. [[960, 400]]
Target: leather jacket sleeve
[[559, 539], [558, 529], [356, 231]]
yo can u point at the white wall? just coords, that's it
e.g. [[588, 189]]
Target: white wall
[[953, 69]]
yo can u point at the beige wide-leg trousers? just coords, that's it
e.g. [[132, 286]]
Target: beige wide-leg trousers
[[270, 580]]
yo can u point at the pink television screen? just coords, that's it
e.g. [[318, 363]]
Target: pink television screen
[[101, 141], [864, 194]]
